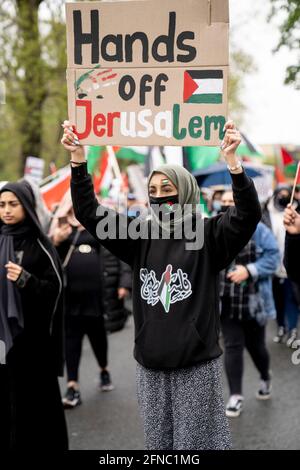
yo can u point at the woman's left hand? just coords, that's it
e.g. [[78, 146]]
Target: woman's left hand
[[13, 271], [231, 141], [239, 275]]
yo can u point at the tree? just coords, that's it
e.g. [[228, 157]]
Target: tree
[[289, 34], [32, 64], [27, 87]]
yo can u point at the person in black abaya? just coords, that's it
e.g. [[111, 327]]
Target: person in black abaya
[[31, 328]]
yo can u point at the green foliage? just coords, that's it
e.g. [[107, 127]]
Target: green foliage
[[289, 34], [32, 67]]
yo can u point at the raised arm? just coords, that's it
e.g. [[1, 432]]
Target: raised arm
[[108, 226], [227, 233]]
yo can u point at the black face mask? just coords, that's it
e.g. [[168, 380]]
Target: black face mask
[[281, 202], [224, 208], [165, 203]]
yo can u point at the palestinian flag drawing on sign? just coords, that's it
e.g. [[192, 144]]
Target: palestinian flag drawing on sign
[[164, 288], [203, 86]]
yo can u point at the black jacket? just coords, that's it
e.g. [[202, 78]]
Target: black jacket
[[292, 257], [100, 298], [292, 262], [116, 274], [175, 291], [33, 363]]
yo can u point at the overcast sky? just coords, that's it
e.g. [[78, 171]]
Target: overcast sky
[[273, 109]]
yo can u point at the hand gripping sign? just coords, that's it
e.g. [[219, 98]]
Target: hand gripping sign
[[147, 72]]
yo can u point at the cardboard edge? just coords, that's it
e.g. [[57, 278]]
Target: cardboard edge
[[220, 11]]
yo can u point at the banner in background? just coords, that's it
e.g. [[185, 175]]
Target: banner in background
[[34, 168]]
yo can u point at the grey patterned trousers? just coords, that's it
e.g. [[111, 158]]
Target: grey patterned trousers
[[183, 409]]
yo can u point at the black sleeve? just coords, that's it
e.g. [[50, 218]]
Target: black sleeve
[[99, 220], [46, 287], [229, 232], [125, 278], [41, 292], [292, 256], [63, 248]]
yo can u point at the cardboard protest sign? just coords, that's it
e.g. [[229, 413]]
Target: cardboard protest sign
[[34, 168], [147, 72]]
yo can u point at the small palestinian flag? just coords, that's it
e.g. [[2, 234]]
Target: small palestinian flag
[[203, 86], [169, 205], [164, 288]]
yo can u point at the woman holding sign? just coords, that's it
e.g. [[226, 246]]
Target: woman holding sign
[[175, 292]]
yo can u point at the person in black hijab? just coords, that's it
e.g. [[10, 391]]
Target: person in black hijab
[[31, 328]]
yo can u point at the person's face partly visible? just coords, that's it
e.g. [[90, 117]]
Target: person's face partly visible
[[161, 186], [283, 194], [217, 196], [11, 210], [227, 199]]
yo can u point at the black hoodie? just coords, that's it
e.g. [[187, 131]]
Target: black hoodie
[[175, 291]]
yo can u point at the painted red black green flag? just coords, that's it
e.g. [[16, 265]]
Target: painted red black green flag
[[203, 86], [164, 288]]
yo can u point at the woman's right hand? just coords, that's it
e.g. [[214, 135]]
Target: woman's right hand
[[61, 234], [71, 143]]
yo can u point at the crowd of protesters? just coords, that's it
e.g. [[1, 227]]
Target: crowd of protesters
[[60, 283]]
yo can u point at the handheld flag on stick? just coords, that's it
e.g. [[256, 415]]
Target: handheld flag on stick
[[286, 157], [55, 186], [279, 176], [114, 162], [296, 181]]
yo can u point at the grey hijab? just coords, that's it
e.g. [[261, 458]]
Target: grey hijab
[[188, 192]]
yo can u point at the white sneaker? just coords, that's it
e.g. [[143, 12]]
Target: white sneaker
[[234, 406], [292, 338], [105, 382], [279, 337], [265, 390]]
